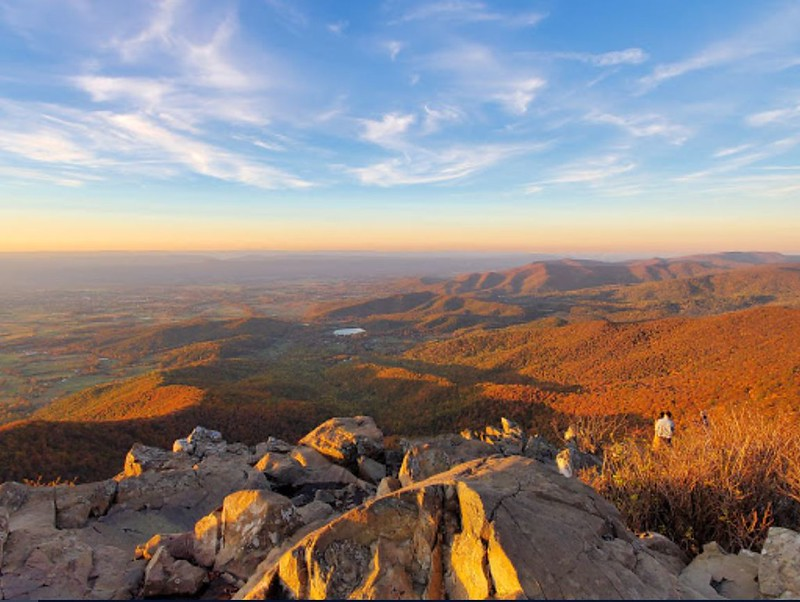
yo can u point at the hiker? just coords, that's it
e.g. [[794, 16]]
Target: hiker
[[664, 430], [704, 420]]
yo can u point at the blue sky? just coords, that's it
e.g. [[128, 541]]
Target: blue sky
[[453, 124]]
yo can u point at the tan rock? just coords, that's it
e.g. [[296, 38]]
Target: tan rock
[[207, 539], [779, 566], [279, 467], [253, 521], [179, 546], [343, 440]]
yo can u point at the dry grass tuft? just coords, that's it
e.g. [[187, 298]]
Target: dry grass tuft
[[727, 483]]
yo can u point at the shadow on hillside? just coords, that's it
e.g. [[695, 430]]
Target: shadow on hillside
[[470, 375]]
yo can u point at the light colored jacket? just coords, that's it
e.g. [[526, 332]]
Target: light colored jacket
[[665, 428]]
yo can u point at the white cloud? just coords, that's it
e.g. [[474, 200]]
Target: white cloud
[[89, 143], [45, 145], [775, 35], [394, 47], [732, 150], [593, 171], [338, 27], [468, 11], [145, 91], [738, 161], [24, 176], [388, 130], [478, 73], [629, 56], [428, 167], [518, 95], [435, 117], [203, 158], [642, 126], [776, 116]]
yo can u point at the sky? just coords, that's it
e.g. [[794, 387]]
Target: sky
[[655, 127]]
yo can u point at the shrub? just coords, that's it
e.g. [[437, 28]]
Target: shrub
[[727, 483]]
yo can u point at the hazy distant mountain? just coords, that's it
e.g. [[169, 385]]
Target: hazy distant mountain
[[574, 274], [75, 270]]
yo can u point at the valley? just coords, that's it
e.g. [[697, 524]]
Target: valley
[[85, 373]]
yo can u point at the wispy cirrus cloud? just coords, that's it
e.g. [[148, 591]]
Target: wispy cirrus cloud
[[736, 161], [99, 144], [731, 150], [775, 36], [643, 126], [774, 117], [629, 56], [421, 166], [479, 73], [591, 171], [468, 11]]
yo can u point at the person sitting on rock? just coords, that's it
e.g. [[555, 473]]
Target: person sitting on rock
[[664, 430]]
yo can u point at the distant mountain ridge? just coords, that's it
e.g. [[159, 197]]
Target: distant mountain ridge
[[575, 274], [657, 287]]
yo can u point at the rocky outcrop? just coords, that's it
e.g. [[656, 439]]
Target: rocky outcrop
[[463, 516], [496, 527]]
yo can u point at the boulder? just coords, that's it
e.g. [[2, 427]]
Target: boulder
[[206, 442], [279, 467], [178, 545], [182, 446], [507, 439], [716, 575], [388, 485], [143, 458], [779, 566], [76, 504], [495, 527], [272, 444], [343, 440], [166, 576], [425, 459], [253, 521], [370, 470], [207, 539], [539, 448], [314, 511]]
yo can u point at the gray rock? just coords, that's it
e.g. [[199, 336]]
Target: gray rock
[[166, 576], [370, 470], [715, 575], [206, 442], [75, 505], [388, 485], [779, 568]]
